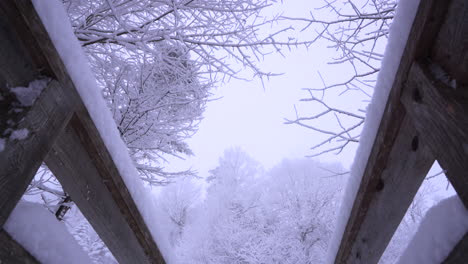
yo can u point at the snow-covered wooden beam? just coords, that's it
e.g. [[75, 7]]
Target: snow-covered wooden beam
[[28, 128], [78, 156], [12, 252], [86, 171], [400, 158]]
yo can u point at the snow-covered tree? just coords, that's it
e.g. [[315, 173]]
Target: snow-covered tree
[[157, 102], [215, 32], [284, 215], [157, 60], [358, 32], [301, 201], [177, 201]]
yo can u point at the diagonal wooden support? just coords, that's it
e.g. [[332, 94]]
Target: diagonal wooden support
[[86, 171], [20, 159], [81, 162], [12, 252], [440, 115], [399, 159], [459, 254]]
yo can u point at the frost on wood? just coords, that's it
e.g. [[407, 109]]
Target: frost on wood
[[398, 35], [47, 239], [19, 134], [25, 98], [28, 95], [440, 230], [58, 26]]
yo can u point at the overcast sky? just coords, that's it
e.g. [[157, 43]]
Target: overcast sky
[[253, 118]]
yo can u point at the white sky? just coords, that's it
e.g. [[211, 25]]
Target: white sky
[[252, 118]]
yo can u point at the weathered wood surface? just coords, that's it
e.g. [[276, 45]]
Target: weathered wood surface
[[451, 46], [407, 164], [20, 159], [85, 167], [75, 168], [12, 252], [459, 253], [440, 114], [379, 205], [18, 66]]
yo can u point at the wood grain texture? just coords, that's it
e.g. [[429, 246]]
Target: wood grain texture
[[406, 167], [74, 168], [441, 116], [12, 252], [120, 225], [459, 253], [21, 61], [21, 158], [16, 68], [353, 249], [451, 47]]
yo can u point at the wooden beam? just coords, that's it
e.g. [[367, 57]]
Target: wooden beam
[[136, 244], [83, 165], [459, 253], [20, 159], [12, 252], [17, 68], [75, 168], [450, 49], [388, 196], [379, 205], [440, 114]]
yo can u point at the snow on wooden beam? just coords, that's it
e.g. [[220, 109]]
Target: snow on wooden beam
[[38, 122], [440, 114], [12, 252], [399, 159], [86, 170], [81, 163]]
